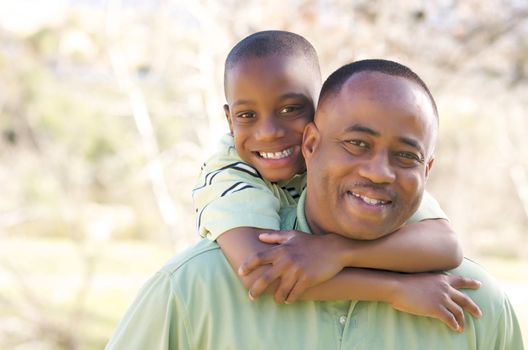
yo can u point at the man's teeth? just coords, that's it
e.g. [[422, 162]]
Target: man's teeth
[[277, 155], [369, 200]]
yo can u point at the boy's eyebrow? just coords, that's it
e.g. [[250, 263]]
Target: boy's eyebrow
[[293, 95], [282, 97], [242, 102]]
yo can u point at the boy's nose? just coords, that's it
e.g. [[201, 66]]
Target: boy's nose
[[378, 169], [269, 129]]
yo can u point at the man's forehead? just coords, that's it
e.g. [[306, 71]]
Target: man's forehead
[[380, 83], [379, 87]]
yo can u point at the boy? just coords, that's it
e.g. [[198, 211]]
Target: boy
[[272, 81]]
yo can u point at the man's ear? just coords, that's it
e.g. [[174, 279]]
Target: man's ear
[[428, 166], [311, 140], [228, 117]]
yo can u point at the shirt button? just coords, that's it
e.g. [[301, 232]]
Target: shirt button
[[342, 320]]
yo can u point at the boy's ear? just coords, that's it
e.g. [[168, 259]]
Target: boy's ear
[[228, 117], [311, 140]]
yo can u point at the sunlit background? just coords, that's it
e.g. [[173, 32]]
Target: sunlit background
[[107, 109]]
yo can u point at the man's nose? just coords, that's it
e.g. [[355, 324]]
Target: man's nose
[[378, 168], [269, 128]]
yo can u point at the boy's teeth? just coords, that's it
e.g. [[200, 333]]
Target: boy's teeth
[[276, 155], [369, 200]]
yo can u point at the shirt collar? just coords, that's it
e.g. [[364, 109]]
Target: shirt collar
[[301, 224]]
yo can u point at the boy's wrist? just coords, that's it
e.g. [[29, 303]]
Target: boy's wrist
[[344, 249], [393, 289]]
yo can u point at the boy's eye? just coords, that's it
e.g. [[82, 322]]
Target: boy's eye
[[289, 109], [245, 115]]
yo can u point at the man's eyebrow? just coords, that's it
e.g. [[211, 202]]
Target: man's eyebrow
[[362, 128]]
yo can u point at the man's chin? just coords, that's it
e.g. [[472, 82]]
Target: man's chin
[[369, 231]]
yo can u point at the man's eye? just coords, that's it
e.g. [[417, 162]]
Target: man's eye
[[358, 143], [409, 156], [246, 115]]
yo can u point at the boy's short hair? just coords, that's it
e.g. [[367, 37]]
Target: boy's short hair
[[271, 42], [333, 84]]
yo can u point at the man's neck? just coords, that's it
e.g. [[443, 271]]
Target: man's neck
[[305, 220]]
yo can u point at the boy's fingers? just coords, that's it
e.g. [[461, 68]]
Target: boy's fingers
[[258, 259], [262, 283], [457, 313], [466, 303], [296, 291], [460, 282], [449, 319], [276, 237], [285, 286]]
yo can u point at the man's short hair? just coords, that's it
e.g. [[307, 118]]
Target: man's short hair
[[333, 84], [271, 42]]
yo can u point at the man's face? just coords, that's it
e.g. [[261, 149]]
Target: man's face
[[270, 101], [368, 156]]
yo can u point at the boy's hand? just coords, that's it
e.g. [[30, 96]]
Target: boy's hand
[[299, 261], [436, 295]]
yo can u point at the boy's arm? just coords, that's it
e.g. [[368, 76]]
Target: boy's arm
[[301, 261], [429, 245], [430, 295], [426, 243], [239, 243]]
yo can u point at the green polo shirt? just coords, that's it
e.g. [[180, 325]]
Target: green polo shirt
[[196, 302], [230, 193]]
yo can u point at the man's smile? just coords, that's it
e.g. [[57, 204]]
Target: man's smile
[[370, 200]]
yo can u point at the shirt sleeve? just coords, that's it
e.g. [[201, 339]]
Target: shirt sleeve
[[233, 194], [429, 210], [154, 321]]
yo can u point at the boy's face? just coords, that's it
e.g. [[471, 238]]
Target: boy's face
[[369, 156], [269, 101]]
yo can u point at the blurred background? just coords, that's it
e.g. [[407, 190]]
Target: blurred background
[[108, 108]]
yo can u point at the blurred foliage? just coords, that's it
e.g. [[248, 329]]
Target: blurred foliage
[[108, 108]]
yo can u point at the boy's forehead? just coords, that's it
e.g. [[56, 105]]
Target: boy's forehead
[[256, 69], [271, 61]]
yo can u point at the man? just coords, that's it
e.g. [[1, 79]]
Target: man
[[368, 154]]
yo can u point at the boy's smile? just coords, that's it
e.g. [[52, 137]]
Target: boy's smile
[[269, 101]]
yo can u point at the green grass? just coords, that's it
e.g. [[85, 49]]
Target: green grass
[[73, 290]]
